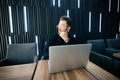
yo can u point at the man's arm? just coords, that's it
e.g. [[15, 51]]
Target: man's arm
[[46, 49]]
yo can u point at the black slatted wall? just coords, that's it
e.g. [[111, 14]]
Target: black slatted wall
[[42, 18]]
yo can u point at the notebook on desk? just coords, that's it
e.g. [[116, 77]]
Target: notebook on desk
[[68, 57]]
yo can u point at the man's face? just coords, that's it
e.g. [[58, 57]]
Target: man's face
[[62, 26]]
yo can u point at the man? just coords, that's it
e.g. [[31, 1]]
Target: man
[[62, 38]]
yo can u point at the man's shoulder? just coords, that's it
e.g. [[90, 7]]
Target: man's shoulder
[[53, 36], [73, 38]]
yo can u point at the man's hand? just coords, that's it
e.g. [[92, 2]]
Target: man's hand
[[64, 36]]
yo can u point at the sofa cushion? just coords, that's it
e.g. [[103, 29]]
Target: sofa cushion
[[113, 43], [98, 45]]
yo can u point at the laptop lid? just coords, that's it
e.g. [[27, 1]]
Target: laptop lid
[[68, 57]]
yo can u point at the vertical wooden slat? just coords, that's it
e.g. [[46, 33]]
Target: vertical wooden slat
[[1, 23]]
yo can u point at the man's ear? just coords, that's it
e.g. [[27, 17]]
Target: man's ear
[[68, 28]]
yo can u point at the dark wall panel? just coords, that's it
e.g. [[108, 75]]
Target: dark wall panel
[[42, 18], [5, 20], [114, 4]]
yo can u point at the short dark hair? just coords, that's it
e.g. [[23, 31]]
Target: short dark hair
[[67, 19]]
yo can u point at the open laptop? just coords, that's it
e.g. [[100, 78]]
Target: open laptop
[[68, 57]]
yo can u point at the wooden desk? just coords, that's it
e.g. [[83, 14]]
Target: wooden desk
[[91, 72], [117, 55], [17, 72]]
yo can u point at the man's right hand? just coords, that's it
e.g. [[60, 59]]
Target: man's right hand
[[64, 36]]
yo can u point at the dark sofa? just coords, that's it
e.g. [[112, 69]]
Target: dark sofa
[[20, 54], [113, 44], [114, 47], [102, 55]]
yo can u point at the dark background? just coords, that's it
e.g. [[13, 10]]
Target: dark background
[[42, 18]]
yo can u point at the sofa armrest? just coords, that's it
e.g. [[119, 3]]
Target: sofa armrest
[[101, 60], [111, 51], [99, 55]]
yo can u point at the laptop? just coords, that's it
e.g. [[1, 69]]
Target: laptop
[[68, 57]]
